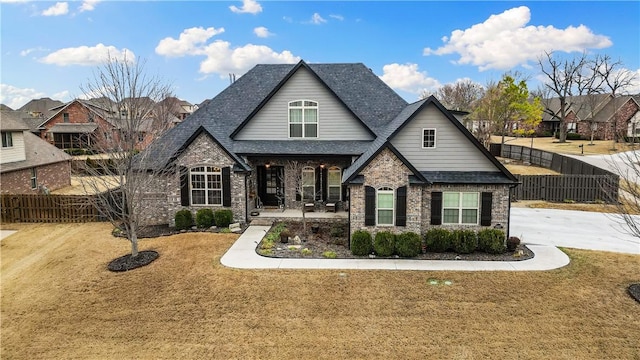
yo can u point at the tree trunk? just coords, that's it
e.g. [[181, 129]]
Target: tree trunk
[[304, 220], [134, 243]]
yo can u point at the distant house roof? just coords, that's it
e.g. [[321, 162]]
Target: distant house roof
[[5, 107], [583, 106], [38, 153], [42, 106], [12, 121], [71, 128]]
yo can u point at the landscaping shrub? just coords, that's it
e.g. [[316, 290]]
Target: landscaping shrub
[[338, 230], [204, 218], [491, 241], [384, 243], [464, 241], [408, 244], [512, 243], [223, 217], [184, 219], [361, 243], [438, 240]]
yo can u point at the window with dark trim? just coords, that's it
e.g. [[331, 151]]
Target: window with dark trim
[[384, 205], [7, 139], [303, 119], [206, 185], [460, 207], [428, 138], [334, 183], [308, 184], [65, 117]]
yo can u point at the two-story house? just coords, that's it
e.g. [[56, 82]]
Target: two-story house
[[29, 164], [353, 141]]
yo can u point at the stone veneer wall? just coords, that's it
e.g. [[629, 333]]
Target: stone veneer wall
[[385, 170], [162, 206], [52, 176]]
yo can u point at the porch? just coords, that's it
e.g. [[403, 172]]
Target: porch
[[276, 215]]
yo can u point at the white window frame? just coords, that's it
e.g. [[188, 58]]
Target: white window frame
[[302, 107], [460, 207], [312, 171], [66, 117], [7, 139], [205, 171], [34, 178], [334, 169], [434, 138], [385, 190], [572, 127]]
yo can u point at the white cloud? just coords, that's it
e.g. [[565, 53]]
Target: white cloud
[[29, 51], [262, 32], [504, 41], [316, 19], [190, 42], [337, 17], [15, 97], [408, 78], [87, 56], [248, 6], [88, 5], [60, 8], [222, 59], [634, 88]]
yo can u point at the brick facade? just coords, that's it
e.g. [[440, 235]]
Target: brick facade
[[606, 130], [77, 114], [162, 196], [387, 170], [52, 176]]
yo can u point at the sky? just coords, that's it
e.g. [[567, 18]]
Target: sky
[[52, 48]]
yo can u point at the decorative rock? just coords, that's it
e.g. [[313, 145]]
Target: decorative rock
[[296, 240], [235, 227]]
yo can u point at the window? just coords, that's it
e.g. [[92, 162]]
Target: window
[[460, 208], [384, 204], [308, 184], [34, 178], [7, 139], [428, 138], [65, 117], [206, 185], [334, 184], [571, 127], [90, 118], [303, 119]]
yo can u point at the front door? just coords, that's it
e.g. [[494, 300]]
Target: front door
[[271, 185]]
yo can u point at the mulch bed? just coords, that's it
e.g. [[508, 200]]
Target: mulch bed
[[323, 241], [128, 262], [634, 291]]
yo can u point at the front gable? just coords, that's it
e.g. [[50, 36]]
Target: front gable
[[447, 147], [271, 121]]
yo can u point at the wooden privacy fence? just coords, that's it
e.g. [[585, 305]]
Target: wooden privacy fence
[[579, 181], [48, 208], [559, 188]]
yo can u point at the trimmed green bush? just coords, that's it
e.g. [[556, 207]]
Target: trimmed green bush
[[438, 240], [464, 241], [361, 243], [408, 244], [223, 217], [491, 241], [184, 219], [204, 218], [384, 244]]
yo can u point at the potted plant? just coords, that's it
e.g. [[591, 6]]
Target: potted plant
[[315, 228], [284, 236]]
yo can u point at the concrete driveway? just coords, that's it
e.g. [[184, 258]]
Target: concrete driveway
[[572, 229]]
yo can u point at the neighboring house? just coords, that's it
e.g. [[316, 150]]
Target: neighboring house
[[76, 124], [29, 164], [392, 165], [607, 117]]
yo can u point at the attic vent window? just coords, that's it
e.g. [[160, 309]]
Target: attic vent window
[[303, 119]]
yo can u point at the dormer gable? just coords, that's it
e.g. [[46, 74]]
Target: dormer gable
[[302, 107]]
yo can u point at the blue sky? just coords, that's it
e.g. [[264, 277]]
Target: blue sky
[[50, 49]]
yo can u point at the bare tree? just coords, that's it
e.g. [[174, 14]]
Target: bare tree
[[627, 166], [123, 86], [561, 81], [462, 95], [297, 180]]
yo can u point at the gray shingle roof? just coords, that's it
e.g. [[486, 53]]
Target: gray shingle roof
[[12, 120], [294, 147], [71, 128], [466, 177], [368, 97]]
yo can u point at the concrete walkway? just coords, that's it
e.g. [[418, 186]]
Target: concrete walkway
[[242, 255]]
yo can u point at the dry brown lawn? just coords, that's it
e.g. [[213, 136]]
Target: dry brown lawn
[[88, 185], [59, 302], [570, 147]]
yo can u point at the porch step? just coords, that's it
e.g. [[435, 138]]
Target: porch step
[[261, 222]]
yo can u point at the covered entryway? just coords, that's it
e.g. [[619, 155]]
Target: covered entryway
[[271, 185]]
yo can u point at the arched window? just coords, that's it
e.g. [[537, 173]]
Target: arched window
[[303, 119], [384, 202], [308, 184], [206, 185], [334, 183]]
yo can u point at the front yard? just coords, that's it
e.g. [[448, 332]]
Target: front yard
[[58, 301]]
